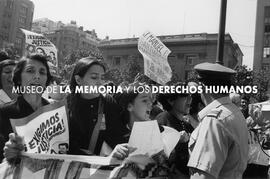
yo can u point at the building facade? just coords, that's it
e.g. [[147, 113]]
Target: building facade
[[262, 36], [186, 51], [70, 37], [45, 25], [15, 14]]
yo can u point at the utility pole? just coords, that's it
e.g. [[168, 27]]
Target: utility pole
[[221, 34]]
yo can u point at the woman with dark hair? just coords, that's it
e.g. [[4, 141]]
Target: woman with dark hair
[[94, 118], [176, 105], [135, 106], [6, 84], [31, 71]]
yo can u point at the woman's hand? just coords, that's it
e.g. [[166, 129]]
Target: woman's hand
[[13, 147], [184, 136], [120, 151]]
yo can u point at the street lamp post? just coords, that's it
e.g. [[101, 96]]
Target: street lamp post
[[222, 24]]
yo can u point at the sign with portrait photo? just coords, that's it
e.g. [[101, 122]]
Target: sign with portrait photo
[[37, 43], [46, 130]]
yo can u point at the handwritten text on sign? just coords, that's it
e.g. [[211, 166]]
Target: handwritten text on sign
[[155, 55]]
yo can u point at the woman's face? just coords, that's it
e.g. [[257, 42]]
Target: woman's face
[[6, 77], [93, 77], [34, 74], [182, 104], [141, 107]]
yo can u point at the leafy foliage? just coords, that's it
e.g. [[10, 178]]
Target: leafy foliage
[[114, 75], [133, 69], [245, 77], [66, 66]]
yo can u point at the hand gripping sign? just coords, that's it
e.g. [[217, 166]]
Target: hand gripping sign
[[155, 54], [46, 130]]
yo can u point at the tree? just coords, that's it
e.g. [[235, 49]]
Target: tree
[[247, 77], [244, 76], [114, 75], [261, 79], [66, 66], [133, 69], [175, 78]]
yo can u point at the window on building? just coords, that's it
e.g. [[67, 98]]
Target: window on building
[[23, 10], [190, 59], [5, 37], [116, 60], [267, 20], [266, 66], [267, 28], [267, 11], [267, 40], [22, 20], [5, 25], [266, 52], [9, 4], [187, 74], [18, 42]]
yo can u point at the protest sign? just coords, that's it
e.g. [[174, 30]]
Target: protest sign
[[153, 147], [46, 130], [37, 43], [170, 138], [36, 166], [146, 137], [148, 140], [155, 54]]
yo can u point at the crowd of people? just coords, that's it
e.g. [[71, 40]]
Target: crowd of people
[[213, 131]]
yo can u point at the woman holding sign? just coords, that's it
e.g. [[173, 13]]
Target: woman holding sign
[[31, 73], [93, 118], [135, 107]]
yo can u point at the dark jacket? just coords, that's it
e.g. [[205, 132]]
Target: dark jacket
[[83, 115], [179, 157]]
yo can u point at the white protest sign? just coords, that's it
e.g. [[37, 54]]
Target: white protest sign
[[46, 130], [170, 138], [36, 166], [148, 140], [37, 43], [155, 54]]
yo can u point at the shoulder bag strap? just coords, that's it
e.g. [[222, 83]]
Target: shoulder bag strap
[[95, 133]]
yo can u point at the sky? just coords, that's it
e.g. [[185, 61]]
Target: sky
[[131, 18]]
